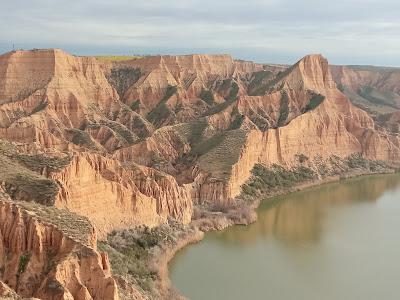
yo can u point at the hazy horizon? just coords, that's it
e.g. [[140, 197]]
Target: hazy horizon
[[346, 32], [194, 53]]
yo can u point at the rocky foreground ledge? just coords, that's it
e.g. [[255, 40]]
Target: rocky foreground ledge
[[48, 252]]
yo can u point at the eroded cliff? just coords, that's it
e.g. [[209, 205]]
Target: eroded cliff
[[51, 254], [374, 89], [142, 142]]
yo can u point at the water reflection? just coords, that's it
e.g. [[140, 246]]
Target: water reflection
[[338, 241], [298, 218]]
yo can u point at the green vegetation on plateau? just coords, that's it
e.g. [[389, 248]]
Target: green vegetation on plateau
[[117, 57]]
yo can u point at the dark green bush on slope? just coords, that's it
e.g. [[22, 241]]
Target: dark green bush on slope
[[276, 177]]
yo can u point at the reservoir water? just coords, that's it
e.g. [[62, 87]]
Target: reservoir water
[[339, 241]]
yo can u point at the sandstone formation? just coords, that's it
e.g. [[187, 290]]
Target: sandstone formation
[[113, 196], [141, 142], [50, 254], [7, 293]]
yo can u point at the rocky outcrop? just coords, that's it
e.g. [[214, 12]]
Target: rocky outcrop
[[113, 196], [374, 89], [50, 97], [192, 73], [353, 77], [7, 293], [51, 254], [139, 142], [390, 121], [268, 114], [334, 127]]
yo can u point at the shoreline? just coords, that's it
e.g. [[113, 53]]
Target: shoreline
[[222, 221], [167, 290]]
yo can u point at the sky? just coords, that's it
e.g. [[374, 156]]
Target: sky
[[265, 31]]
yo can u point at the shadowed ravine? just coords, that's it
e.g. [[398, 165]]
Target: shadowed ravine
[[337, 241]]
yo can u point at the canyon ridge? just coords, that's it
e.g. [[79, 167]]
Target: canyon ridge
[[107, 166]]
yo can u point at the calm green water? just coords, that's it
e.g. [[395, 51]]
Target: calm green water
[[336, 242]]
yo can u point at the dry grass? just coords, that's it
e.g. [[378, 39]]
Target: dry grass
[[72, 225], [376, 107], [219, 154], [20, 174], [23, 184], [113, 58], [132, 252]]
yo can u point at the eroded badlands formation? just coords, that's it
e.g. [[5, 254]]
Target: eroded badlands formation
[[143, 141], [374, 89]]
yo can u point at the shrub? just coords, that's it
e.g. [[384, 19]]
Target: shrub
[[161, 112], [284, 109], [237, 122], [301, 158], [315, 101], [23, 262], [82, 138], [122, 133], [135, 105], [130, 252], [259, 83], [357, 161], [36, 162], [207, 96], [123, 78], [26, 185], [41, 106], [266, 179]]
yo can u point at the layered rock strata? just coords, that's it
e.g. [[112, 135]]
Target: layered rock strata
[[51, 254], [140, 142]]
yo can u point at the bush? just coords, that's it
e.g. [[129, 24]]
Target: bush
[[123, 78], [284, 109], [259, 83], [26, 185], [161, 112], [82, 138], [315, 101], [41, 106], [23, 262], [357, 161], [130, 252], [37, 162], [207, 96], [121, 132], [301, 158], [276, 177], [135, 105]]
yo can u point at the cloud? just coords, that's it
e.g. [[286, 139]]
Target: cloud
[[352, 31]]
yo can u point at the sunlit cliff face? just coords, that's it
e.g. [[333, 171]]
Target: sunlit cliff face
[[140, 142]]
